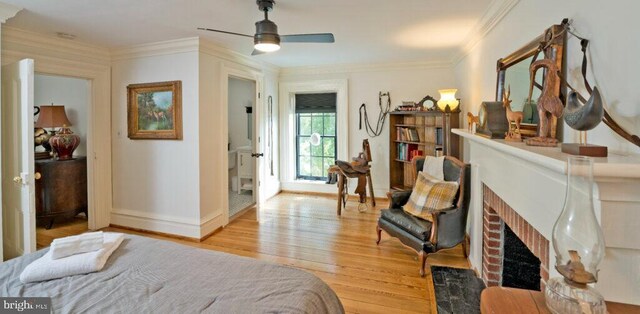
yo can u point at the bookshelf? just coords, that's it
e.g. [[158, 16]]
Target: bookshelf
[[414, 133]]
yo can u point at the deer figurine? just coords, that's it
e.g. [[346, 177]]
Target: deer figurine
[[515, 117]]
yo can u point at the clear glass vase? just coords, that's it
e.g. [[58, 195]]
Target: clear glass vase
[[578, 244]]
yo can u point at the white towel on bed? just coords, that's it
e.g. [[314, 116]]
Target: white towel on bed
[[434, 166], [82, 243], [46, 268]]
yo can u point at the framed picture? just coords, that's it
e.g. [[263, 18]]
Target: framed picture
[[154, 110]]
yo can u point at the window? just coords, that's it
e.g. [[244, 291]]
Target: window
[[316, 145]]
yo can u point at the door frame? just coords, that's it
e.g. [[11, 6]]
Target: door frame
[[257, 143], [98, 130]]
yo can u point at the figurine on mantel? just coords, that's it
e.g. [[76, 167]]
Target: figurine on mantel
[[471, 119], [549, 105], [513, 117]]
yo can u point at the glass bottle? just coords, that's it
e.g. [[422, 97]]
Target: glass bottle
[[578, 244]]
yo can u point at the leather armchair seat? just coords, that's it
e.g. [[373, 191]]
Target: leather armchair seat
[[449, 226]]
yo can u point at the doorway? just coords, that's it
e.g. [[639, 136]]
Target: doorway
[[61, 198], [241, 109]]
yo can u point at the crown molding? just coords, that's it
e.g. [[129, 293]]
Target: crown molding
[[8, 11], [215, 50], [27, 44], [496, 11], [169, 47], [358, 68], [191, 44]]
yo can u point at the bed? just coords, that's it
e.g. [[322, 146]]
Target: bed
[[145, 275]]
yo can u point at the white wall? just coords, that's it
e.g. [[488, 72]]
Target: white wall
[[156, 182], [242, 93], [179, 188], [613, 55], [404, 83], [74, 94]]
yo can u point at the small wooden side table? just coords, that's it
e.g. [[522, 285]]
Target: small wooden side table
[[498, 300]]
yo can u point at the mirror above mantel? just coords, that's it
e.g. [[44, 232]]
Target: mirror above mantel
[[513, 73]]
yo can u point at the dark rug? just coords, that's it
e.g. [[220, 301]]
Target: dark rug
[[457, 290]]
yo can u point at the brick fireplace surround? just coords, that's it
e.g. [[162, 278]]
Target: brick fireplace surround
[[496, 213]]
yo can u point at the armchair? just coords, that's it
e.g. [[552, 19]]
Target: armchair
[[449, 226]]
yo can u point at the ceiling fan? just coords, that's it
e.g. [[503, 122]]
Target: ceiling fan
[[267, 39]]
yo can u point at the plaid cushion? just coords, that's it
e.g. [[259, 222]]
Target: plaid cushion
[[429, 195]]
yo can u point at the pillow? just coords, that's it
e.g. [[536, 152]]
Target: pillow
[[434, 166], [430, 195]]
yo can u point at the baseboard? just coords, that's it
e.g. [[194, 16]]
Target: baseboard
[[330, 194], [210, 226], [166, 225], [163, 234]]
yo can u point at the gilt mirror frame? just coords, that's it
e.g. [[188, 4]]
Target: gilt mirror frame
[[554, 39]]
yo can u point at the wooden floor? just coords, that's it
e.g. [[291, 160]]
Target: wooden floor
[[77, 225], [304, 232]]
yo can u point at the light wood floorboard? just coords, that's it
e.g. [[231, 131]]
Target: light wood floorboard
[[60, 229], [303, 231]]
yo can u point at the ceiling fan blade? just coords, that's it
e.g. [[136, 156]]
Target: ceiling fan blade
[[257, 52], [224, 32], [308, 38]]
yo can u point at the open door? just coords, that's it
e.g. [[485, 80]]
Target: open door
[[18, 185], [258, 148]]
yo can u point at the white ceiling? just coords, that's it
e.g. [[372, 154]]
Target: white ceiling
[[366, 31]]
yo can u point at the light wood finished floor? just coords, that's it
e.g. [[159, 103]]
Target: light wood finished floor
[[304, 232], [61, 229]]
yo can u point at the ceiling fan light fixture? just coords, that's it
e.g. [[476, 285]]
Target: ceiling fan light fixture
[[266, 38], [267, 47]]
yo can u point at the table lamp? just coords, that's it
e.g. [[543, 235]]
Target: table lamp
[[63, 141], [448, 101]]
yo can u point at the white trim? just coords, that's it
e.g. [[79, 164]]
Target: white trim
[[496, 11], [613, 167], [8, 11], [364, 67], [68, 58], [287, 125], [251, 74], [41, 46], [193, 228], [169, 47], [215, 50], [190, 44], [156, 222]]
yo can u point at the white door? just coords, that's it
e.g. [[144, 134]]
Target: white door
[[258, 147], [18, 201]]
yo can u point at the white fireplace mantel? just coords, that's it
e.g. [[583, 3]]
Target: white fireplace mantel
[[532, 180]]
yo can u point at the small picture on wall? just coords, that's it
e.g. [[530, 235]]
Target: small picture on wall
[[154, 110]]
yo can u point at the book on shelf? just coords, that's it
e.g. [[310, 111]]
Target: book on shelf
[[407, 134], [439, 136], [407, 151]]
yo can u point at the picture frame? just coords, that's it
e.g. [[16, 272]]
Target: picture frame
[[154, 110]]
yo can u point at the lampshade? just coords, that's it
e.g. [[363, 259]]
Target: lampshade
[[448, 97], [52, 117]]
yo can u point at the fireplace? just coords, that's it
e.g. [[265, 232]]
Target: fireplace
[[531, 185], [514, 254]]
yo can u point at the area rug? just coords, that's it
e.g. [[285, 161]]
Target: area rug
[[457, 290]]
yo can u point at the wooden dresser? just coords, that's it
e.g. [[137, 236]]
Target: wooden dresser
[[61, 192]]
